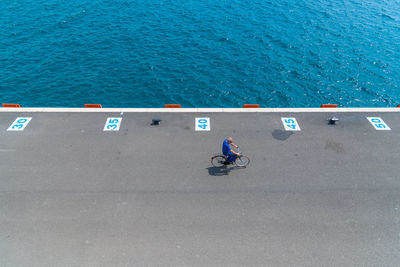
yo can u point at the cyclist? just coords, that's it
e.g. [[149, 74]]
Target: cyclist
[[227, 151]]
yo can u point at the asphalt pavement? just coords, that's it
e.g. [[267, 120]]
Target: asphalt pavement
[[72, 194]]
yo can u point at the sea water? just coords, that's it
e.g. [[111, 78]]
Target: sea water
[[208, 53]]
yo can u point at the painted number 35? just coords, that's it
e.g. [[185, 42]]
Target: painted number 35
[[112, 124]]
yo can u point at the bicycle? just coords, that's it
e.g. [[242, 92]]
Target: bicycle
[[221, 160]]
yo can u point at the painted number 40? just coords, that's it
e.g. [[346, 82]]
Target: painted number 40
[[202, 124]]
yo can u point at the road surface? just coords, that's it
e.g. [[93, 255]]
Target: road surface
[[72, 194]]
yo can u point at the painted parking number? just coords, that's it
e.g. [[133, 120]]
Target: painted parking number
[[378, 123], [202, 124], [290, 124], [19, 124], [112, 124]]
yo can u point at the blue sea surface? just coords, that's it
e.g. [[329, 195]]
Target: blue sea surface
[[146, 53]]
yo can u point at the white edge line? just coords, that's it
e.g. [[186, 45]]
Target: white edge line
[[201, 110]]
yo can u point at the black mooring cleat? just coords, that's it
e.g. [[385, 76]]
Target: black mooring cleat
[[333, 120], [155, 121]]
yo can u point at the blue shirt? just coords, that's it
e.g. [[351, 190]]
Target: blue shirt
[[226, 147]]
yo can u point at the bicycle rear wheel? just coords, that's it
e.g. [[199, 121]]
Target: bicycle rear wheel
[[218, 161], [242, 161]]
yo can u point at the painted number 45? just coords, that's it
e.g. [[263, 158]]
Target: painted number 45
[[290, 124]]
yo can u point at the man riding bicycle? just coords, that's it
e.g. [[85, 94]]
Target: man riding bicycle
[[227, 151], [229, 156]]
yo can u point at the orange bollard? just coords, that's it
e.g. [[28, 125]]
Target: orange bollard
[[251, 106], [92, 106], [172, 105], [11, 105], [329, 106]]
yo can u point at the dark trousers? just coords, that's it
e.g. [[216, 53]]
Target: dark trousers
[[231, 157]]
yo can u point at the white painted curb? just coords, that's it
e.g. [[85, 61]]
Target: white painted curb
[[202, 110]]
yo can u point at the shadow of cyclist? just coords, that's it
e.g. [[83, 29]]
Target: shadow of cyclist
[[220, 171]]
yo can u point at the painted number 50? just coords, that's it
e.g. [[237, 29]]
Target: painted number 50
[[378, 123]]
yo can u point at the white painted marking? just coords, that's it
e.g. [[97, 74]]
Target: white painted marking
[[378, 123], [202, 124], [290, 124], [19, 124], [202, 110], [112, 124]]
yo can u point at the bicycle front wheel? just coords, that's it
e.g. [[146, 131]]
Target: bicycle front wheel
[[242, 161], [218, 161]]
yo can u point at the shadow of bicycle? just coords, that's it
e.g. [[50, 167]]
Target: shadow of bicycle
[[221, 171]]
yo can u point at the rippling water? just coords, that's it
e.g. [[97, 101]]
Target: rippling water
[[145, 53]]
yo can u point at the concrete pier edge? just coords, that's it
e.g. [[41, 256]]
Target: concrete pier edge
[[194, 110], [73, 194]]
